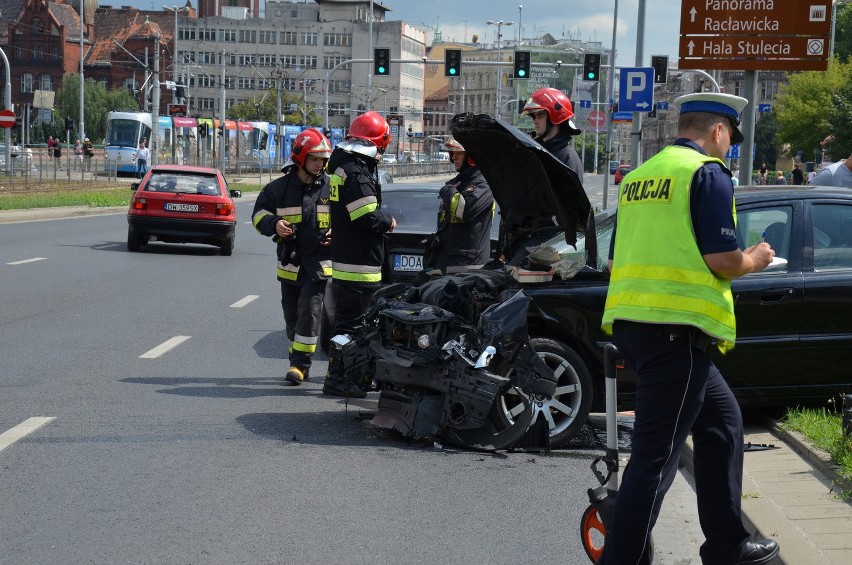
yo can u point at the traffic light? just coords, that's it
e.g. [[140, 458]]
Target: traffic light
[[69, 123], [522, 65], [381, 62], [452, 62], [591, 66], [202, 130], [661, 68]]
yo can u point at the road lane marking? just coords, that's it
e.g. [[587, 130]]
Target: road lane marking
[[243, 301], [22, 261], [165, 347], [28, 426]]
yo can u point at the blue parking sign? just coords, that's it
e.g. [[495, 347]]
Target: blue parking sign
[[636, 89]]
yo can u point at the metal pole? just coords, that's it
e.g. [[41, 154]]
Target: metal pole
[[222, 117], [154, 142], [82, 132], [370, 54], [7, 92], [278, 136], [636, 134], [609, 89], [520, 25], [748, 122]]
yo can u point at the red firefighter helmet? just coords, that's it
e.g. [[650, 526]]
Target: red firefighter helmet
[[553, 101], [372, 127], [309, 142]]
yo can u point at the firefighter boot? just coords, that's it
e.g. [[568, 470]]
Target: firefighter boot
[[295, 376]]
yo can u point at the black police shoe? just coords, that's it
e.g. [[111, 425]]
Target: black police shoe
[[756, 552], [337, 387]]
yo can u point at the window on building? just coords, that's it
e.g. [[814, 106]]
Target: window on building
[[287, 60], [246, 60], [245, 82], [248, 36], [329, 62], [129, 84], [228, 35], [308, 61], [207, 34], [336, 39], [288, 37], [309, 38], [268, 36], [27, 82], [768, 88], [37, 26], [45, 81], [19, 54], [205, 103], [738, 88], [38, 52]]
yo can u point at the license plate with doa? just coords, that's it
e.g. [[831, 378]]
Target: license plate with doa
[[408, 263], [175, 207]]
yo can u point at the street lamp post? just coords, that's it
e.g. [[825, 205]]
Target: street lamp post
[[499, 24]]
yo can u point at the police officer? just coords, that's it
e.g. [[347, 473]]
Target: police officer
[[359, 244], [294, 211], [551, 113], [672, 259], [465, 213]]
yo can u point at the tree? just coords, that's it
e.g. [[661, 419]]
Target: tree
[[843, 33], [801, 106], [765, 145], [840, 124], [264, 108], [97, 102]]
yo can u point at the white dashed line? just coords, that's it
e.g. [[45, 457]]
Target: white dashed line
[[165, 347], [243, 301], [26, 427], [33, 260]]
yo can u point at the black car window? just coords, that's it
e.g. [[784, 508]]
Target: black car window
[[832, 236], [772, 224], [603, 230], [412, 210], [185, 183]]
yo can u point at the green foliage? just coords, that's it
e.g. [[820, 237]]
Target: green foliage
[[843, 33], [263, 108], [97, 102], [765, 132], [801, 106], [823, 428], [586, 151], [840, 124]]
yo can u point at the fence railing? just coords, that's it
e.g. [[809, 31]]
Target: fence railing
[[39, 168]]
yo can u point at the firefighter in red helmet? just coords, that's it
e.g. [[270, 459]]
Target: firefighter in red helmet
[[293, 210], [358, 253], [551, 112]]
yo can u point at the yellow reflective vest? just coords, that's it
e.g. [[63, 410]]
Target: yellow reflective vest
[[658, 273]]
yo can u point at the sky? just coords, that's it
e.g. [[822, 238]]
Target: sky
[[587, 20]]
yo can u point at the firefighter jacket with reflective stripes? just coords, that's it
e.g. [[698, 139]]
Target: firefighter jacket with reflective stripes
[[306, 207], [357, 221], [465, 214], [658, 273]]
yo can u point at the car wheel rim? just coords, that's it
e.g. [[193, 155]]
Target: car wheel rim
[[559, 411]]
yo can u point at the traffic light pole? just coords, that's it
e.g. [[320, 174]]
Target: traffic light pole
[[7, 95]]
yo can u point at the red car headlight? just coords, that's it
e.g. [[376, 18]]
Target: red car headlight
[[139, 203]]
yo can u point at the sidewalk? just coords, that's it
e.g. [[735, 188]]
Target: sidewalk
[[789, 494]]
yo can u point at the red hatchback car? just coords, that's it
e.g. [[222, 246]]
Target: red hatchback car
[[621, 171], [182, 204]]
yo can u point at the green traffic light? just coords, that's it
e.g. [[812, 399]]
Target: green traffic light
[[522, 73], [381, 70], [453, 71], [591, 76]]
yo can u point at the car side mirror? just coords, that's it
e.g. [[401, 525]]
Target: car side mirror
[[236, 193], [134, 186]]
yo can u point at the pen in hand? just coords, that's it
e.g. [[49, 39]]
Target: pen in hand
[[763, 237]]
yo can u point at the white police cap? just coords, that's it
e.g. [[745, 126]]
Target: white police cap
[[726, 105]]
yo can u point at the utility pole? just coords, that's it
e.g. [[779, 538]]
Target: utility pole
[[153, 143], [222, 118]]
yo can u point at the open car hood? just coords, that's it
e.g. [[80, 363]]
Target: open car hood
[[521, 173]]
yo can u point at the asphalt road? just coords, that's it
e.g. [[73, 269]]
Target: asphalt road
[[196, 453]]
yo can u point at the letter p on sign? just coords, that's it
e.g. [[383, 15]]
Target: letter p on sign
[[636, 89]]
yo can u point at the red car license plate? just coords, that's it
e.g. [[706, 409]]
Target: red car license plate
[[175, 207]]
